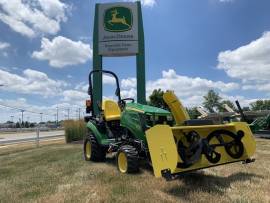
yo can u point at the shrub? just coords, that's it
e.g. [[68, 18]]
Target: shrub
[[74, 130]]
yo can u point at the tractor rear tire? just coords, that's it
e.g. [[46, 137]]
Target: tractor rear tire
[[127, 159], [92, 149]]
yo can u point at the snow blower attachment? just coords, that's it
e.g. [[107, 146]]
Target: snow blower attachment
[[196, 144]]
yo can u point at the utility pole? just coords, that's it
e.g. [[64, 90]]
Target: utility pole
[[79, 113], [22, 119], [55, 118], [57, 115], [22, 114], [68, 113], [40, 117]]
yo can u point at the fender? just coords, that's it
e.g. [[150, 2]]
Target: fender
[[101, 138]]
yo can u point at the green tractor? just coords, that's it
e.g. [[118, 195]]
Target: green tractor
[[169, 141], [120, 127]]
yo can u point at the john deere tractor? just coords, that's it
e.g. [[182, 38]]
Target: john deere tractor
[[169, 141]]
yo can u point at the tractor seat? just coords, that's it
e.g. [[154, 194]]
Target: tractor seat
[[111, 110]]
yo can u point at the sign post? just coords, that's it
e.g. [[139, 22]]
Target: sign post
[[118, 31], [37, 138]]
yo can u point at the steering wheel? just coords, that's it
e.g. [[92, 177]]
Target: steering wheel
[[122, 102], [128, 99]]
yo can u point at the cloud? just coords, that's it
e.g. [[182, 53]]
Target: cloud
[[189, 89], [128, 83], [129, 93], [74, 95], [32, 17], [226, 1], [185, 86], [4, 45], [61, 52], [149, 3], [146, 3], [54, 9], [265, 87], [249, 63], [128, 87], [31, 82], [109, 80]]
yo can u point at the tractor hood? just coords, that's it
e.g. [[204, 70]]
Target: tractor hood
[[146, 109]]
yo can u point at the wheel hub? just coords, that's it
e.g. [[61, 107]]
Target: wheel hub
[[88, 149], [122, 162]]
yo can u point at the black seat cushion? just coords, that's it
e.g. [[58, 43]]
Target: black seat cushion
[[199, 122]]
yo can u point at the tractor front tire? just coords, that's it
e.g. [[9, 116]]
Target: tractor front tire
[[127, 159], [92, 150]]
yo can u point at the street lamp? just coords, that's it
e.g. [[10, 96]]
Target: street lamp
[[22, 114], [40, 117]]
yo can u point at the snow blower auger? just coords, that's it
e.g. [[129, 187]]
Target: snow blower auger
[[196, 144]]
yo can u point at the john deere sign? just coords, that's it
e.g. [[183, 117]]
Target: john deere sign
[[118, 29], [118, 19]]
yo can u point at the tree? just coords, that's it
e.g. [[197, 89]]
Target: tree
[[156, 99], [32, 125], [26, 124], [193, 113], [260, 105], [246, 108], [212, 100], [18, 125]]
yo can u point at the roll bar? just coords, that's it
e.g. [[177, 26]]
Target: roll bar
[[90, 88]]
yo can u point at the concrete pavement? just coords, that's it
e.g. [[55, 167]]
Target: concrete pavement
[[9, 138]]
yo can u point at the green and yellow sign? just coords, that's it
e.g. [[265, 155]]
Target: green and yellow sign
[[118, 31], [118, 19]]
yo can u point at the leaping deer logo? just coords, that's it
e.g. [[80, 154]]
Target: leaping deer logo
[[117, 20]]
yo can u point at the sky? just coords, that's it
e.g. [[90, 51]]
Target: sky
[[191, 47]]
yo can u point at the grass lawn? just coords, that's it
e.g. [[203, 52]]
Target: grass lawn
[[58, 173]]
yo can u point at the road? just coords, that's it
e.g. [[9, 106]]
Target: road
[[266, 136], [11, 138]]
